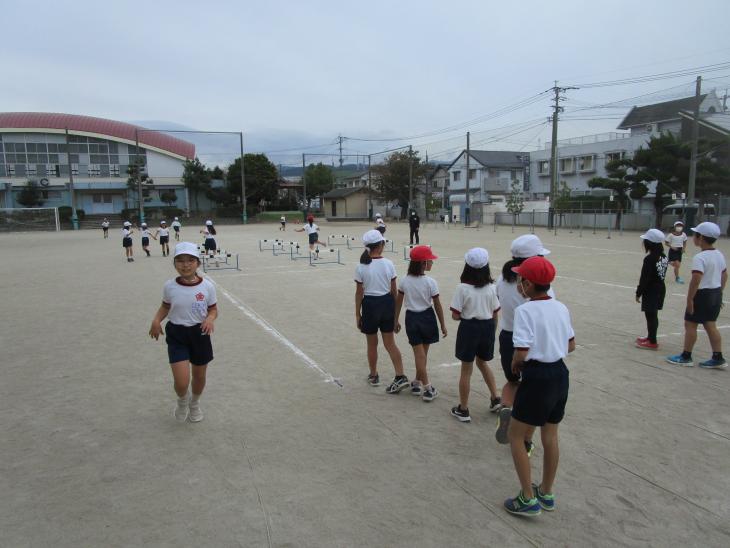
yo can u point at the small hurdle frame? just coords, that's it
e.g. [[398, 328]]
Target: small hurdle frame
[[407, 250], [338, 239], [285, 248], [218, 260], [356, 243], [264, 244], [331, 256]]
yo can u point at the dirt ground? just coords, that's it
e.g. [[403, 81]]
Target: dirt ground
[[296, 449]]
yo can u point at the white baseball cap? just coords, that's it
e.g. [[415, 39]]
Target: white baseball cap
[[678, 223], [477, 257], [711, 230], [372, 237], [144, 224], [187, 248], [378, 215], [163, 222], [208, 223], [527, 246], [175, 219], [653, 235], [127, 223]]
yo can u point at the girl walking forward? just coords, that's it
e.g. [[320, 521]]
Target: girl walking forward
[[421, 296], [105, 227], [475, 306], [164, 233], [379, 223], [312, 231], [375, 291], [651, 290], [145, 233], [676, 241], [209, 233], [189, 303], [127, 241], [176, 227]]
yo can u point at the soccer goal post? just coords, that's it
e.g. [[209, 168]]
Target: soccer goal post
[[24, 219]]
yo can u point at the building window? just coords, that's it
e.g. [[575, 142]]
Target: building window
[[456, 175], [114, 170], [30, 170], [586, 164], [567, 165], [614, 156], [94, 170], [472, 174], [543, 167], [52, 170], [75, 169]]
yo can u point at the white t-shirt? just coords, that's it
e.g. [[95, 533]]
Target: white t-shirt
[[509, 299], [380, 222], [207, 234], [311, 229], [105, 224], [283, 219], [711, 263], [145, 232], [189, 304], [475, 303], [175, 224], [126, 233], [676, 241], [163, 231], [418, 292], [376, 276], [543, 328]]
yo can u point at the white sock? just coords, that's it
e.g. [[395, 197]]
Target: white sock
[[196, 398]]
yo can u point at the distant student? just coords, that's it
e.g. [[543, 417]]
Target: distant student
[[379, 223], [176, 227], [145, 234], [209, 233], [283, 224], [475, 306], [312, 231], [543, 336], [651, 290], [704, 297], [421, 296], [375, 291], [189, 302], [127, 241], [676, 241], [414, 225], [164, 233], [105, 227]]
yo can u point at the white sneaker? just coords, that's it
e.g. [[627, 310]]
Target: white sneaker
[[196, 414], [181, 409]]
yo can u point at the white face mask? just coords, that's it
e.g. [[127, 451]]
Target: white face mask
[[521, 289], [678, 229]]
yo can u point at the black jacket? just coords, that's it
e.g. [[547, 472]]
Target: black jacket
[[414, 221], [653, 271]]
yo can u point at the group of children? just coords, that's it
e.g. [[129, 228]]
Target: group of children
[[162, 233]]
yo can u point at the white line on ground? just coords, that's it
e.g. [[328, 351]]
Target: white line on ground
[[617, 251], [271, 330]]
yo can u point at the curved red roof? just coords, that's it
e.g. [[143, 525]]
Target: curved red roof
[[102, 126]]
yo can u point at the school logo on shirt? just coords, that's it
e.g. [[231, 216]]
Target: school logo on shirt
[[199, 297]]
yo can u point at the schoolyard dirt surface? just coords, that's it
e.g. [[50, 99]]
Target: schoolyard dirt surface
[[295, 448]]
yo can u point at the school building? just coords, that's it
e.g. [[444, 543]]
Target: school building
[[53, 149]]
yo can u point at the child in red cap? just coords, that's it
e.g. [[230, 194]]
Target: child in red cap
[[312, 231], [543, 336], [421, 296]]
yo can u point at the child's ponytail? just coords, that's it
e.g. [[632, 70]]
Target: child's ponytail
[[507, 274], [365, 258]]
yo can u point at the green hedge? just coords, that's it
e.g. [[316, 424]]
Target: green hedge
[[64, 213], [275, 216]]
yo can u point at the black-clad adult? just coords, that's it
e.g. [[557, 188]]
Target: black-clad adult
[[414, 222]]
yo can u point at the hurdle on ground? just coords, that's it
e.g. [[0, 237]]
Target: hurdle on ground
[[285, 248], [407, 250], [356, 243], [269, 245], [324, 256], [338, 239], [219, 260]]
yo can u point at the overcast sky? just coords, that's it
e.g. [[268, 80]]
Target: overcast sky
[[300, 73]]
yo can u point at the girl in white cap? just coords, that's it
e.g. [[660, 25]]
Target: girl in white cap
[[164, 233], [651, 290], [189, 302], [475, 306], [105, 227], [176, 227], [676, 241], [209, 232], [379, 223], [375, 292], [145, 233], [127, 241]]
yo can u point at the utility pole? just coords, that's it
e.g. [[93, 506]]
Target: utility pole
[[74, 218], [339, 138], [689, 211], [410, 177], [724, 102], [304, 185], [370, 193], [138, 167], [466, 199], [244, 202], [557, 109]]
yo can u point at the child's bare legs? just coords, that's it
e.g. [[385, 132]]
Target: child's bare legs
[[676, 265], [488, 376], [551, 455], [395, 356], [690, 335], [420, 354], [713, 334], [181, 377], [508, 393], [465, 384], [198, 384], [517, 434], [372, 353]]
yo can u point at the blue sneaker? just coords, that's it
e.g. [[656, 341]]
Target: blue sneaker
[[678, 359], [546, 500], [680, 280], [714, 364], [522, 506]]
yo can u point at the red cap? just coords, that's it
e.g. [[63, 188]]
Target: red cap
[[538, 270], [422, 253], [310, 217]]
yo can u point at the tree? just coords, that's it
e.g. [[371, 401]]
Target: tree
[[394, 178], [137, 176], [169, 197], [261, 177], [562, 197], [515, 201], [196, 178], [319, 178], [217, 174], [617, 182], [30, 196]]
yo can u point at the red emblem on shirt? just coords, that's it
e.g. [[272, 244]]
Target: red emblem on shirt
[[199, 297]]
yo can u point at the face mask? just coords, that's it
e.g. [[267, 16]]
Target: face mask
[[678, 229], [521, 290]]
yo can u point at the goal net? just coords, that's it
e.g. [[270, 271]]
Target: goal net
[[29, 218]]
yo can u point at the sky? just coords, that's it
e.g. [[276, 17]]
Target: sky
[[293, 76]]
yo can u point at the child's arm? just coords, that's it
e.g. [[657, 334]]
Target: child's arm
[[694, 285], [156, 327], [398, 306], [571, 345], [723, 280], [455, 315], [207, 326], [298, 230], [359, 293], [393, 288], [440, 314], [518, 359]]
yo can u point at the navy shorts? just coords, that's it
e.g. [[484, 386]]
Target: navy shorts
[[188, 344], [378, 313], [164, 240], [210, 244], [506, 351], [126, 242], [421, 327], [707, 306], [176, 228], [381, 229], [542, 394], [475, 338], [146, 241], [674, 255], [313, 237]]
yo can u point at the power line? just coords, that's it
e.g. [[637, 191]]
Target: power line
[[659, 76]]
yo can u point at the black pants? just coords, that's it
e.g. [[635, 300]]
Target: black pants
[[414, 231], [652, 324]]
